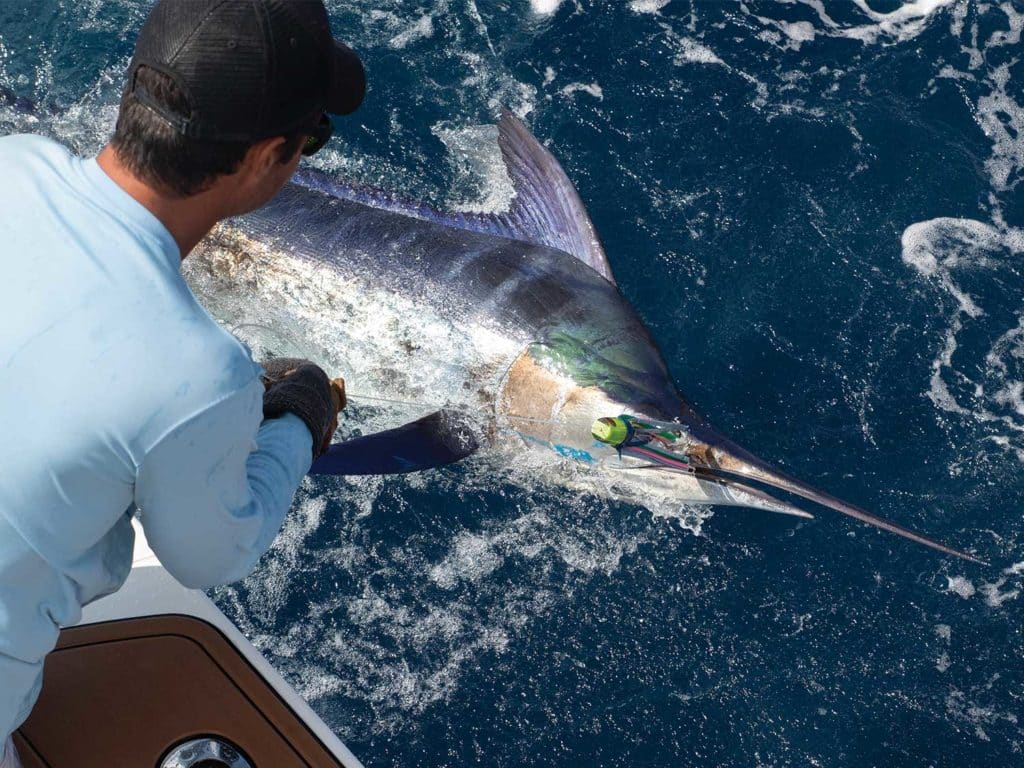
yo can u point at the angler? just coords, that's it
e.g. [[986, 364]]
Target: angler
[[165, 411]]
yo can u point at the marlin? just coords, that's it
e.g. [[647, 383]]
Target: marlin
[[513, 317]]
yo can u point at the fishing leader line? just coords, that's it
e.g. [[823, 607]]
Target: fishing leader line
[[357, 396]]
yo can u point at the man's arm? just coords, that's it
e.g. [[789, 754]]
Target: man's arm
[[214, 491]]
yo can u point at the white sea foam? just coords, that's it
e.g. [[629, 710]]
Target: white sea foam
[[799, 31], [1009, 36], [994, 594], [479, 174], [960, 585], [909, 11], [940, 250], [545, 7], [1002, 120], [592, 88], [473, 557], [796, 33], [647, 6], [420, 29], [1015, 570], [964, 707], [692, 52], [958, 15], [997, 112], [897, 26], [951, 251], [490, 82], [937, 247]]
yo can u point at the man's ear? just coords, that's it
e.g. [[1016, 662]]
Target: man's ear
[[264, 155]]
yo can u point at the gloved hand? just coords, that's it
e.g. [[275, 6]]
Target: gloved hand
[[298, 386]]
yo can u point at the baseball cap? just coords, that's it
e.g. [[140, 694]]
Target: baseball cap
[[249, 69]]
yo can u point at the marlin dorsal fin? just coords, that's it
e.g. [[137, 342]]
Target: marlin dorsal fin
[[546, 209]]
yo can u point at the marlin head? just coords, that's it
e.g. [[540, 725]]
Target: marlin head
[[547, 404], [554, 405]]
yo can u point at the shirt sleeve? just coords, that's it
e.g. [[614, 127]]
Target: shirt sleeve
[[214, 491]]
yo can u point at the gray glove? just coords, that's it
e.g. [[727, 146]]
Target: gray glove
[[298, 386]]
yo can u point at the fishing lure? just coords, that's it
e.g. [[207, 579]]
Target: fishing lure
[[661, 443]]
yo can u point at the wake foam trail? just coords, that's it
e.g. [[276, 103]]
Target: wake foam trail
[[369, 601], [986, 390]]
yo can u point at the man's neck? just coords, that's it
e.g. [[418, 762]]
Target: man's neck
[[188, 219]]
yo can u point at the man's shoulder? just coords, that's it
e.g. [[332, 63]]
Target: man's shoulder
[[34, 167], [31, 141], [29, 148]]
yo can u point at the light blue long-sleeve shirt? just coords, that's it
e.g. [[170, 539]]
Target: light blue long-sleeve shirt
[[117, 391]]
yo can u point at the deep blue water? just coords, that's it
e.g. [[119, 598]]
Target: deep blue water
[[817, 210]]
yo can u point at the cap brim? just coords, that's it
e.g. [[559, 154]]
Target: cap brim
[[348, 81]]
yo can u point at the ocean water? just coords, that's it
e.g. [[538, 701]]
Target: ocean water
[[816, 207]]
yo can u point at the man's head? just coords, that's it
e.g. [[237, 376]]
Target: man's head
[[235, 88]]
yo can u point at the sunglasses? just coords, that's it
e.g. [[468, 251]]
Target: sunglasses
[[318, 136]]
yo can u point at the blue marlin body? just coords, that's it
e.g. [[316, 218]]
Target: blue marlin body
[[514, 318]]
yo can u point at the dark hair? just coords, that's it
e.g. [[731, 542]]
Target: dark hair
[[156, 153]]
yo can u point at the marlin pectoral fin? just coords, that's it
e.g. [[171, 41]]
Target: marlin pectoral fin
[[434, 441]]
